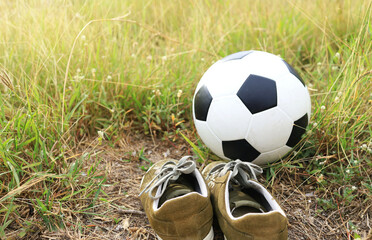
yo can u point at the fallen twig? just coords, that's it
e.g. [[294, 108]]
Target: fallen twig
[[131, 211]]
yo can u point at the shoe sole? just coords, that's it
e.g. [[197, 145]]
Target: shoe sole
[[209, 236]]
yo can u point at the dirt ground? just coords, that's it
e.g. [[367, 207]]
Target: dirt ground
[[124, 171]]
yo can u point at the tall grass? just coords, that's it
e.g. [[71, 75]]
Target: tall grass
[[134, 67]]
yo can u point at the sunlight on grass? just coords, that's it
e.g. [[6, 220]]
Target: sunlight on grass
[[73, 68]]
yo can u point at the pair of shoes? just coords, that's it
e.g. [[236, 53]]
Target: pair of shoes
[[179, 201]]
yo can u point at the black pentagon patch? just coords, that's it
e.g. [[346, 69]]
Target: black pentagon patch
[[202, 102], [239, 149], [299, 128], [258, 93], [294, 72], [236, 56]]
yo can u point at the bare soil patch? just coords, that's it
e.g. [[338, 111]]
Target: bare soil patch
[[121, 215]]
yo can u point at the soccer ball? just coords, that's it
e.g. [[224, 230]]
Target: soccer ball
[[251, 106]]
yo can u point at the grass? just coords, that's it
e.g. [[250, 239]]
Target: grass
[[80, 70]]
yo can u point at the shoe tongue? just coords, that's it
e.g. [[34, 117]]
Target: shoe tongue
[[176, 189], [241, 204]]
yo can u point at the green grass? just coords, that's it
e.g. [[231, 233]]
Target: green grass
[[80, 67]]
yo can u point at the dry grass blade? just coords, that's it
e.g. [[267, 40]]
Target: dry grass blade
[[5, 79], [23, 187]]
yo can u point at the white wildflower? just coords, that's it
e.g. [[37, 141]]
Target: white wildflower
[[94, 70], [149, 57], [157, 92], [319, 64], [337, 55], [364, 146], [83, 37], [164, 58], [133, 55], [337, 99], [334, 68], [315, 125], [78, 70], [202, 59], [322, 108], [347, 171], [108, 77], [354, 188], [339, 94], [179, 93], [101, 134]]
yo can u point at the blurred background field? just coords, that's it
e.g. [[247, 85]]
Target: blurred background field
[[87, 73]]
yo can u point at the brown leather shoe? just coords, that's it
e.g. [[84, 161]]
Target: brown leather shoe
[[176, 200], [243, 207]]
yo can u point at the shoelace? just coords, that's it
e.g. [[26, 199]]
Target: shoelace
[[241, 171], [169, 171]]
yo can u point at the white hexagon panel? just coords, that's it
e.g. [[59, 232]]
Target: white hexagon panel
[[265, 64], [217, 80], [269, 130], [208, 137], [293, 97], [228, 118], [272, 155]]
